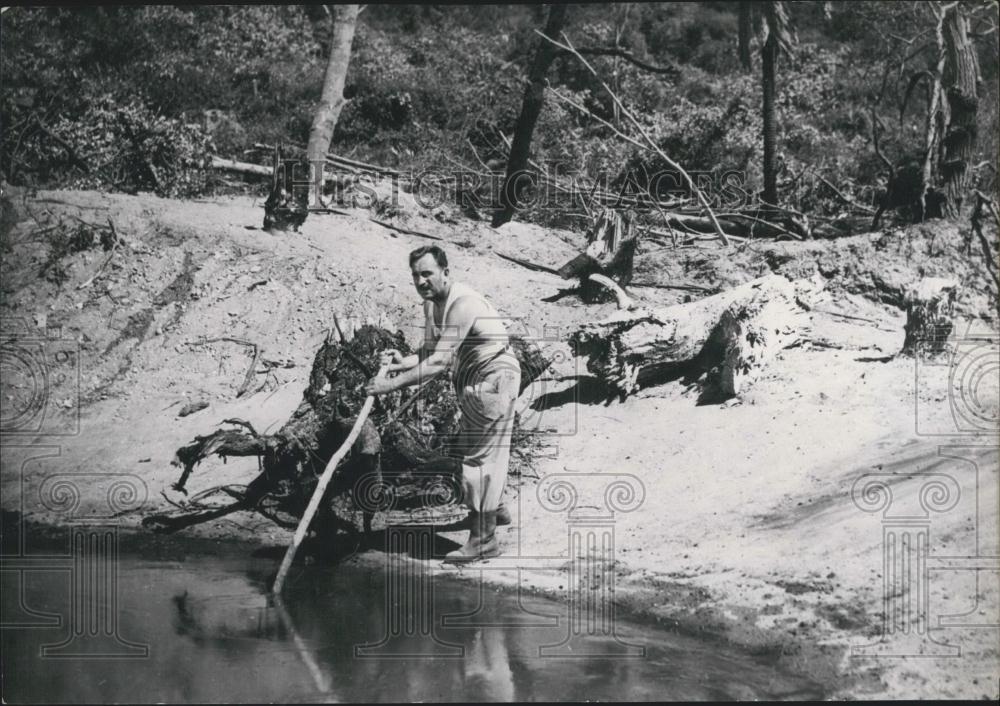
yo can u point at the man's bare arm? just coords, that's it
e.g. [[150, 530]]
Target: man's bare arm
[[461, 318], [398, 363]]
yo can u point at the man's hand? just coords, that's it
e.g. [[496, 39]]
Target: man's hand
[[379, 386], [396, 362], [390, 356]]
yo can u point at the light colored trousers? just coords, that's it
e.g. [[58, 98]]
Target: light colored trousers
[[484, 434]]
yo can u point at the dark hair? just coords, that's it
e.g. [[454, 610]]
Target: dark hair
[[439, 257]]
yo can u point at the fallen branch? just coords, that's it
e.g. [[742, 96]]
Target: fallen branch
[[616, 51], [248, 378], [241, 423], [628, 114], [407, 231], [767, 224], [68, 148], [843, 197], [114, 248], [694, 224], [662, 234], [623, 300], [336, 159], [241, 167], [528, 265], [685, 287]]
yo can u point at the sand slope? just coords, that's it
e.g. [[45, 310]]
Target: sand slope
[[744, 524]]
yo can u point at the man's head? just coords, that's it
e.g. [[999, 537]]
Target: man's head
[[429, 267]]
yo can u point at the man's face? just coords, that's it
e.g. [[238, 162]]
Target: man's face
[[430, 280]]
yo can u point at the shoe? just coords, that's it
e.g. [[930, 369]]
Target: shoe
[[503, 516], [482, 542]]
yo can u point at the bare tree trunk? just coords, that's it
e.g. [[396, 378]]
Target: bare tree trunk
[[534, 95], [332, 101], [746, 31], [770, 59], [961, 79]]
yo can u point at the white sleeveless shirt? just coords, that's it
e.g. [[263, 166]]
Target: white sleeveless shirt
[[476, 352]]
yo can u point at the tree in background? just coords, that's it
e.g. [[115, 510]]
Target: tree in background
[[745, 33], [778, 38], [531, 107], [947, 63], [344, 19], [961, 86]]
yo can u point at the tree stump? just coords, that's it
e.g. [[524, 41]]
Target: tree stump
[[287, 203], [930, 307], [611, 247], [406, 445]]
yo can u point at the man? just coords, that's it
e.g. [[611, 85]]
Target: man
[[464, 334]]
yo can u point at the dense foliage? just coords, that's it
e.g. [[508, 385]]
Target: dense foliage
[[136, 98]]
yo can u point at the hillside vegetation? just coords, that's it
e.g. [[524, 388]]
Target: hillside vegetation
[[135, 99]]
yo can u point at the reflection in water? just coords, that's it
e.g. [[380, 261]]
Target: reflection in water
[[215, 635], [320, 678]]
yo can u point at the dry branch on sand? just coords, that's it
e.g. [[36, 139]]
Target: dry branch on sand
[[733, 335]]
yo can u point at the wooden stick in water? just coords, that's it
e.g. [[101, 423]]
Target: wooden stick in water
[[324, 481]]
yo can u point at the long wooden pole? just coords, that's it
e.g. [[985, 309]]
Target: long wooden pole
[[324, 480]]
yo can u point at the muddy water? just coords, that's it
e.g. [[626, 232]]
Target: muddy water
[[199, 628]]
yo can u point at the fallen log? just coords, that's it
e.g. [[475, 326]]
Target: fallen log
[[231, 165], [623, 300], [734, 333], [752, 333]]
